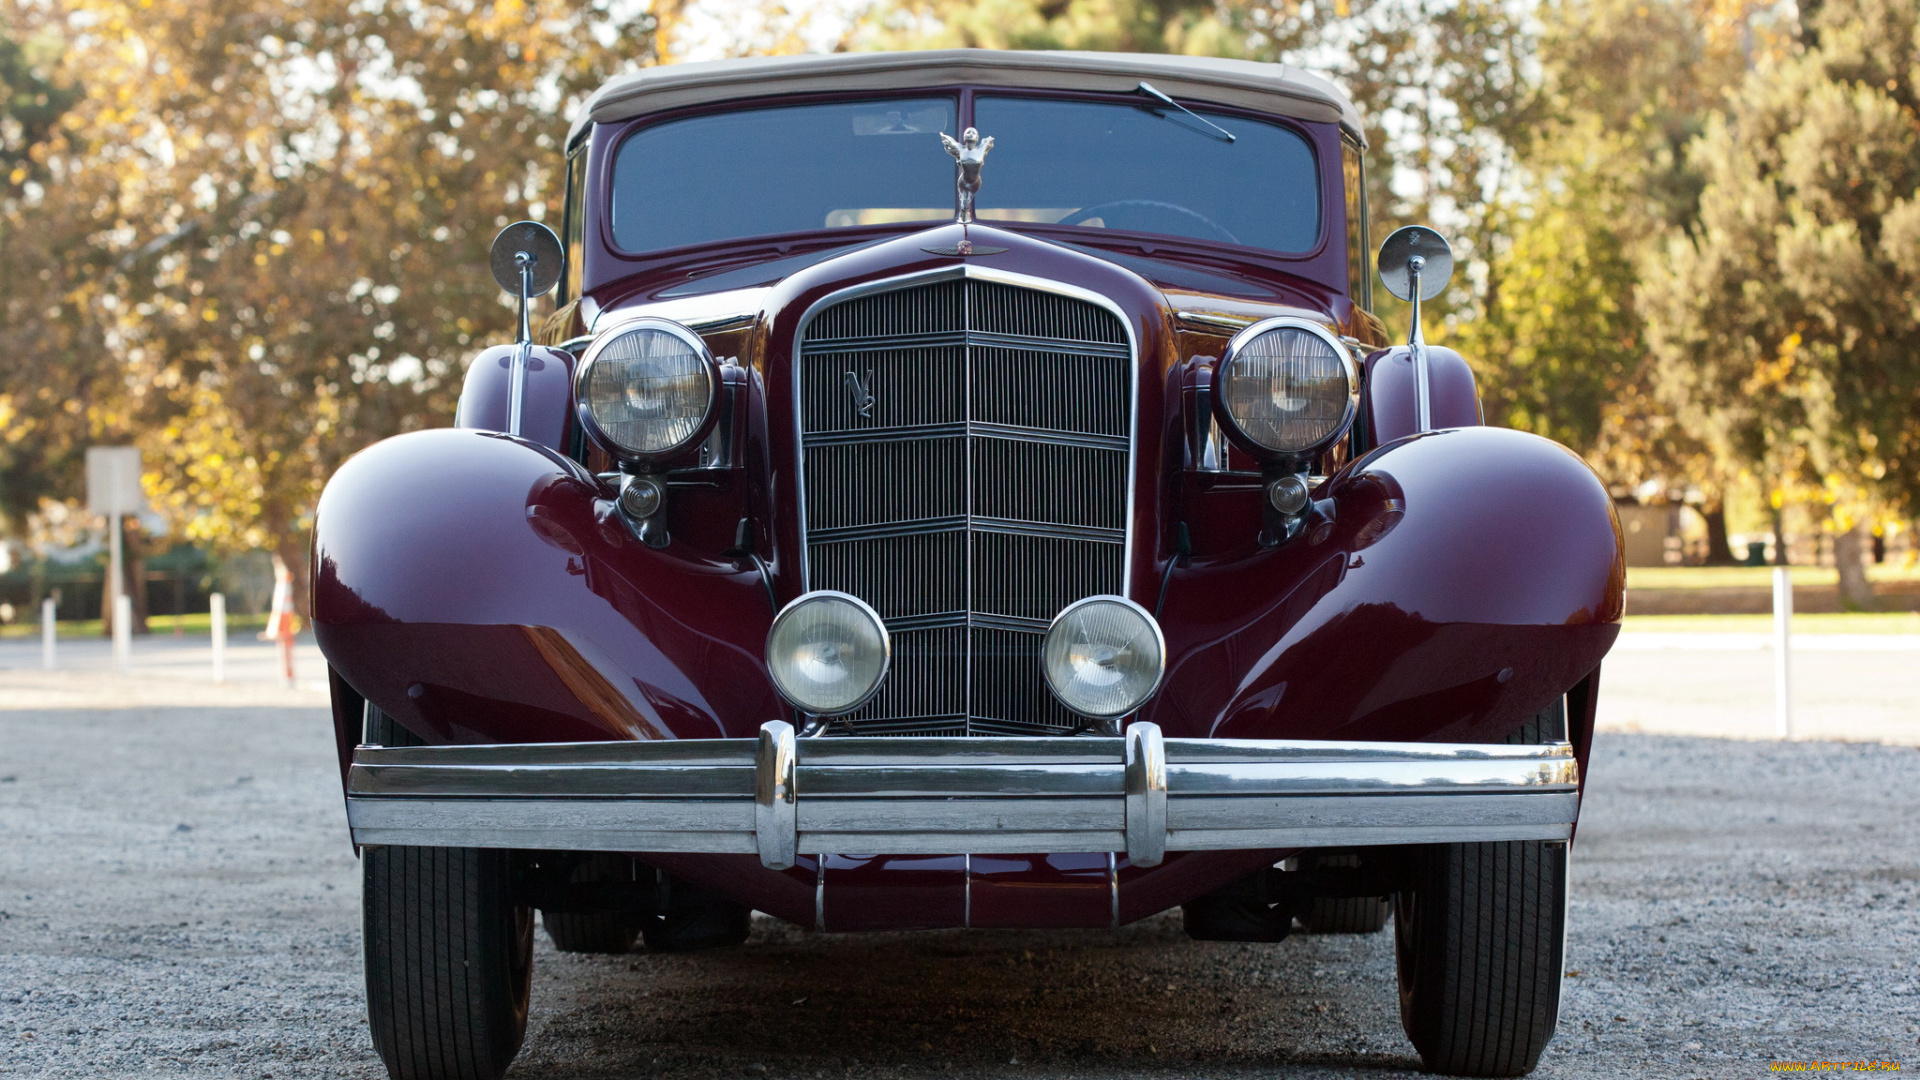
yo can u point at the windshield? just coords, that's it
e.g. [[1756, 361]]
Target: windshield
[[1147, 168], [723, 176], [1160, 171]]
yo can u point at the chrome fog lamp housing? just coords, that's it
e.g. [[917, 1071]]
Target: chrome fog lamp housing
[[1286, 388], [828, 652], [646, 389], [1103, 656]]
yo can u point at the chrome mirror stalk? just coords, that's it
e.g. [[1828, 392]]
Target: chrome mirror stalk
[[525, 260], [1415, 265]]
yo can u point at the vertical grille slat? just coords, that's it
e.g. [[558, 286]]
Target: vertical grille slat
[[966, 448]]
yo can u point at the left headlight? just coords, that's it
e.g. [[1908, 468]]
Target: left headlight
[[646, 388], [827, 652], [1286, 387]]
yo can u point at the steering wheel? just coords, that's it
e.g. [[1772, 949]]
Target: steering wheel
[[1153, 206]]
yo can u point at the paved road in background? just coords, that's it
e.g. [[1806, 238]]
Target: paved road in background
[[178, 898], [1845, 686]]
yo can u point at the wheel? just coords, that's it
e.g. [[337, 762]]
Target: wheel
[[1347, 915], [1242, 910], [449, 961], [1480, 941], [593, 931], [379, 729], [713, 923], [1342, 915], [589, 931]]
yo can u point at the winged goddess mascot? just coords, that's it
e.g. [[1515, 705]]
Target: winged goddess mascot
[[970, 153]]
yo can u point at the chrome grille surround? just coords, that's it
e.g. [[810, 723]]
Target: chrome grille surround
[[1023, 391]]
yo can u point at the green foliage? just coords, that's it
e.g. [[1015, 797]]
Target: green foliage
[[1556, 339], [1786, 328], [250, 234], [263, 245]]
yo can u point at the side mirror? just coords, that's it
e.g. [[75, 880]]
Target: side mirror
[[525, 260], [1415, 264]]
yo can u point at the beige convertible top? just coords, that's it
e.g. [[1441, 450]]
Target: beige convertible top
[[1275, 88]]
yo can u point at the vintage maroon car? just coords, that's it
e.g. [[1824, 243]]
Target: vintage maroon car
[[964, 489]]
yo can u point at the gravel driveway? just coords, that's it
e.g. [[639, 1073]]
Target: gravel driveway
[[177, 897]]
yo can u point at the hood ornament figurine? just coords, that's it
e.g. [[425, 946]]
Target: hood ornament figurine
[[969, 154]]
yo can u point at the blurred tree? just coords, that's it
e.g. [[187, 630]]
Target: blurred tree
[[38, 454], [1787, 326], [279, 214], [1603, 180], [1555, 337]]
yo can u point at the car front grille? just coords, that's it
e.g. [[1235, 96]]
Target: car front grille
[[965, 455]]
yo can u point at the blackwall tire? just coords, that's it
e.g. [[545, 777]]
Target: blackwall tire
[[605, 932], [379, 729], [1480, 941], [1340, 915], [1347, 915], [717, 925], [449, 961]]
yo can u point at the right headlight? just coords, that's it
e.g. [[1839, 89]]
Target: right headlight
[[646, 388], [1103, 656], [1286, 387]]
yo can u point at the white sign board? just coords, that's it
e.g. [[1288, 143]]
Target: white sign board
[[113, 481]]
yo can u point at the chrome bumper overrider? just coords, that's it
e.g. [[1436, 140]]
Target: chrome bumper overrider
[[778, 796]]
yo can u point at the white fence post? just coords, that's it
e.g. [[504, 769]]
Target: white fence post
[[47, 633], [1782, 648], [217, 608], [123, 633]]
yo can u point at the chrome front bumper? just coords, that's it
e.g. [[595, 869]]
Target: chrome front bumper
[[778, 796]]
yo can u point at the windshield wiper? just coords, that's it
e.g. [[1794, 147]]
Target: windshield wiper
[[1218, 132]]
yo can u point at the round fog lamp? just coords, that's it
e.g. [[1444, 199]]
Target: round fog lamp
[[827, 652], [1103, 656]]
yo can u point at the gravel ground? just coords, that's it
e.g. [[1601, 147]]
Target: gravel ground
[[177, 898]]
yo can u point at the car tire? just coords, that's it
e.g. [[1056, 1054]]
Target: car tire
[[715, 925], [1479, 940], [379, 729], [605, 932], [1346, 915], [610, 932], [449, 961]]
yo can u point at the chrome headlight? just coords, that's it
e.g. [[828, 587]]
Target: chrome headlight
[[1285, 387], [646, 388], [1103, 656], [827, 652]]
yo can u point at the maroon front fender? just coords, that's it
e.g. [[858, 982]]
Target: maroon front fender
[[1458, 583], [482, 589]]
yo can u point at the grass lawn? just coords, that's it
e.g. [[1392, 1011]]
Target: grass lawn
[[160, 625], [1884, 622], [1754, 577]]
